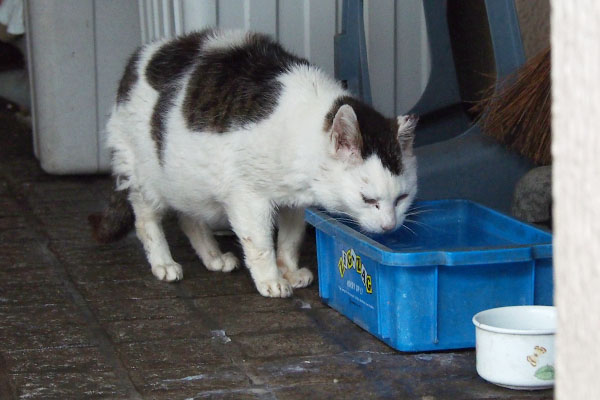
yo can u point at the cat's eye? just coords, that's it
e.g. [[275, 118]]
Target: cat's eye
[[400, 198], [369, 201]]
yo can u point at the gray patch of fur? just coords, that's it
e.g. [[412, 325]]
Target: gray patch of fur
[[235, 86]]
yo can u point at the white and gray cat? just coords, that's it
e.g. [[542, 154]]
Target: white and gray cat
[[230, 130]]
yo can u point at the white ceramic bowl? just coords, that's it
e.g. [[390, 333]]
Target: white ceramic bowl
[[515, 346]]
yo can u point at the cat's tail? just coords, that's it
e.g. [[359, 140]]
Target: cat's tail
[[115, 221]]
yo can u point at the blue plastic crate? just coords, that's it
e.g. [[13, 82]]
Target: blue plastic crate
[[418, 288]]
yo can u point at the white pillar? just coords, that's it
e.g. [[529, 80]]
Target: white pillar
[[576, 187]]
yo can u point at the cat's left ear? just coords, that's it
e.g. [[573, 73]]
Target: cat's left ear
[[406, 132]]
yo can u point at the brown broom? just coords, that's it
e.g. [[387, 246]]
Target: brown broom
[[517, 111]]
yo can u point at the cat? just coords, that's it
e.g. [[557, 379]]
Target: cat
[[232, 131]]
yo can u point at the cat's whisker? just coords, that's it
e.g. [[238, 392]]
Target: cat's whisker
[[338, 219], [417, 212], [423, 224], [414, 221], [420, 224], [417, 207], [420, 211], [334, 211], [407, 228]]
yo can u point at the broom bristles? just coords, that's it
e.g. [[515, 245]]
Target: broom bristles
[[517, 112]]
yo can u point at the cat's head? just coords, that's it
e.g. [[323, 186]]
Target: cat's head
[[372, 168]]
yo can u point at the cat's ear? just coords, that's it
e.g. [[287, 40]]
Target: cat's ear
[[345, 135], [406, 132]]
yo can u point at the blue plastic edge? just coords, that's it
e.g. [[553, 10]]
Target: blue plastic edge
[[385, 255]]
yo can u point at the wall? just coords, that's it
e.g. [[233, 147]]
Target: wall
[[398, 53], [576, 171]]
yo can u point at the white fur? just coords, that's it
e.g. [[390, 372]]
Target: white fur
[[224, 39], [242, 178]]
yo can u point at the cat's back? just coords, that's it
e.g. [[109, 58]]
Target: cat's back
[[235, 81], [159, 65], [212, 63], [219, 80]]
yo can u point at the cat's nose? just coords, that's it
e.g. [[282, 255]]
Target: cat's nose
[[388, 226]]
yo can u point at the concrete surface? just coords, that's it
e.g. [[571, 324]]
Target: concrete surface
[[81, 320]]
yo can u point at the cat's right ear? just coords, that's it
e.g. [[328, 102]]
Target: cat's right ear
[[345, 135], [406, 132]]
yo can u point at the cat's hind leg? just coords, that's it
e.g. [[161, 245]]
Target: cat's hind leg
[[150, 232], [289, 240], [207, 248]]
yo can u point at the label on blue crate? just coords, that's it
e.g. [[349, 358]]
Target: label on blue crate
[[354, 287], [349, 260], [350, 263]]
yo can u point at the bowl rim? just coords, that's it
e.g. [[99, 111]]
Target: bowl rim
[[491, 328]]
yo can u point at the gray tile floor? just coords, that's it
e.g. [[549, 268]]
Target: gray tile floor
[[82, 320]]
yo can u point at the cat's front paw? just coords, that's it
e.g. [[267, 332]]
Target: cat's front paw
[[274, 288], [226, 263], [168, 272], [299, 278]]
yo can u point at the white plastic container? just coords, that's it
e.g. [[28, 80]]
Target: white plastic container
[[77, 51], [515, 346]]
